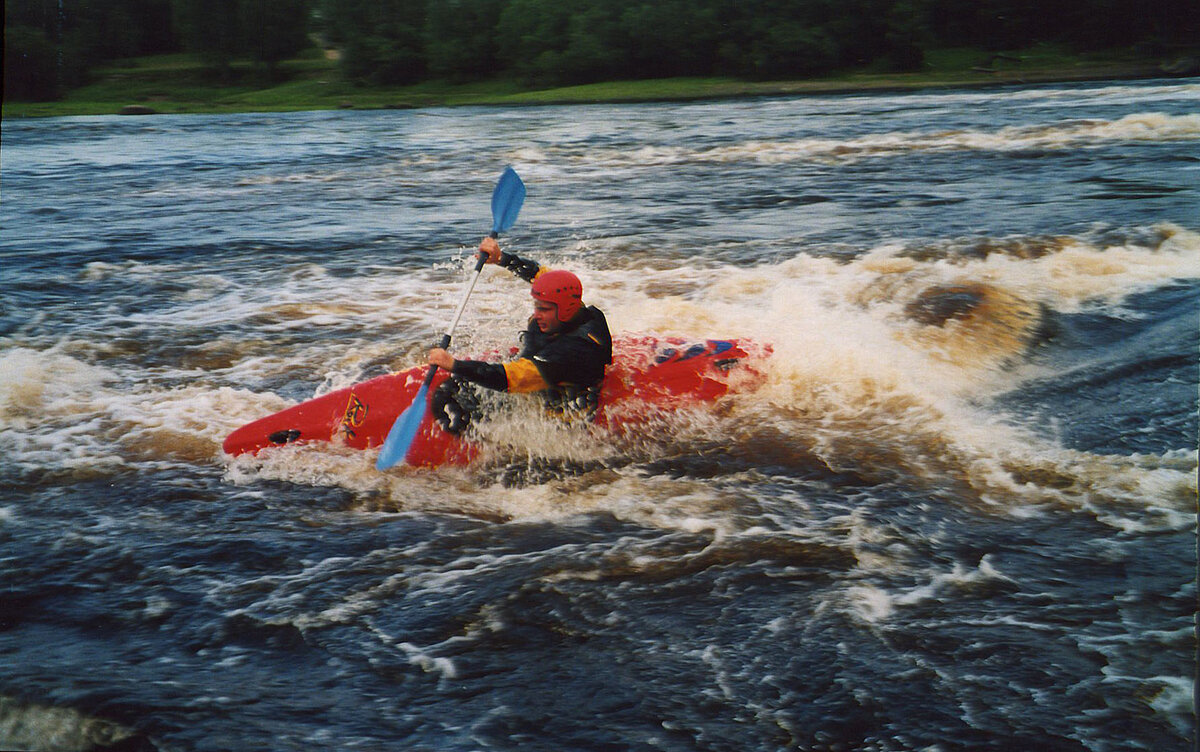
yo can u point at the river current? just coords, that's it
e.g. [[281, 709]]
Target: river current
[[960, 513]]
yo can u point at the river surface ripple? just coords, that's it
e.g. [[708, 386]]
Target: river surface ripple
[[958, 514]]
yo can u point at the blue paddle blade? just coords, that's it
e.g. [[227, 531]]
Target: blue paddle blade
[[403, 432], [507, 200]]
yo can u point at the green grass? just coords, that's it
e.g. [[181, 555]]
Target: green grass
[[180, 84]]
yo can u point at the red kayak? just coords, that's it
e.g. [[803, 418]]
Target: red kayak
[[647, 375]]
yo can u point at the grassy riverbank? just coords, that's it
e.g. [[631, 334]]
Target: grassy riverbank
[[179, 84]]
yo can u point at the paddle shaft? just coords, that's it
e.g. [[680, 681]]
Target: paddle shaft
[[462, 306]]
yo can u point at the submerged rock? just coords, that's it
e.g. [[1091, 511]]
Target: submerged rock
[[936, 305]]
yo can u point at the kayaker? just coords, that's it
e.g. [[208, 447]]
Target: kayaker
[[564, 350]]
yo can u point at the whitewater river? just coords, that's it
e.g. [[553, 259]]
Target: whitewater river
[[960, 513]]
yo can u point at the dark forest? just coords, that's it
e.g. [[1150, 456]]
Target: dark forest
[[52, 45]]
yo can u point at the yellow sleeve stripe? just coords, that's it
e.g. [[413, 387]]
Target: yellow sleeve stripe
[[523, 376]]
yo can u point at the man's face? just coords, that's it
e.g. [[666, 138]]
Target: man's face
[[546, 316]]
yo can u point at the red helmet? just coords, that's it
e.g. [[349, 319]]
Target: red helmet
[[562, 288]]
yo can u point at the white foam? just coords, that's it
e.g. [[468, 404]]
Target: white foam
[[1176, 699], [853, 378], [33, 383], [959, 578], [1156, 127], [41, 727], [427, 662], [870, 603]]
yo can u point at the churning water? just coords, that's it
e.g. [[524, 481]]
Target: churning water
[[959, 514]]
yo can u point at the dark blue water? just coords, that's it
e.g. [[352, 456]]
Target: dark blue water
[[959, 514]]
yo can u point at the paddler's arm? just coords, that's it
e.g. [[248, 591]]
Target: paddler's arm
[[518, 376], [523, 268]]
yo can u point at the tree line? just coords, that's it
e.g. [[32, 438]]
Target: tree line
[[50, 45]]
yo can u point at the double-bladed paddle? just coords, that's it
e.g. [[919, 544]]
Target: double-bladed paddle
[[506, 205]]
